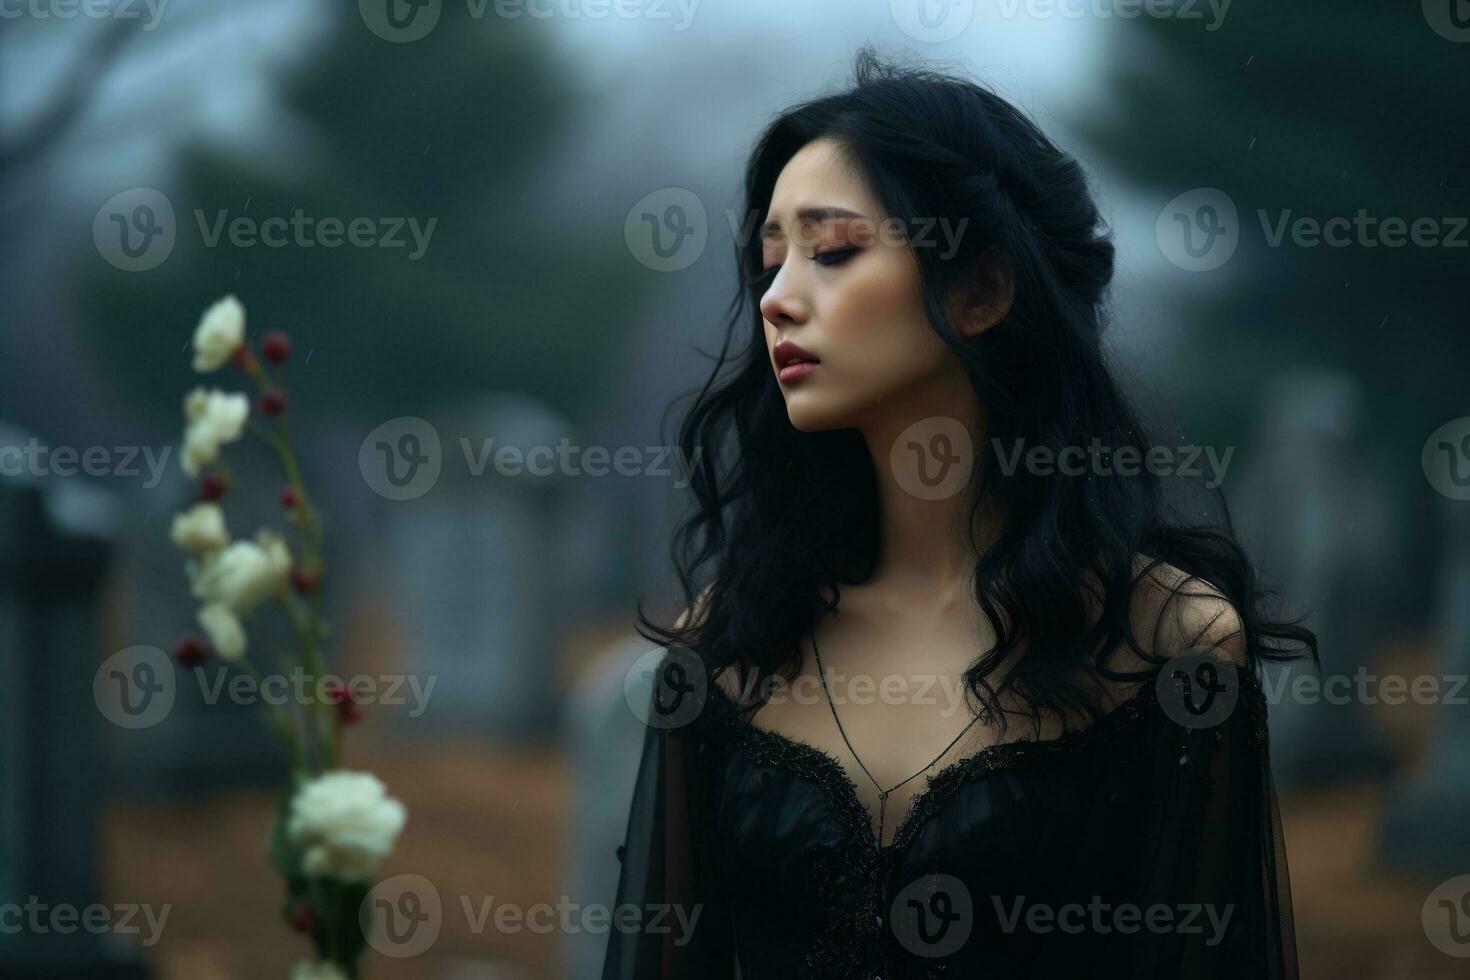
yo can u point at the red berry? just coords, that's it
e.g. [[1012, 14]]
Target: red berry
[[275, 346], [190, 652], [212, 486], [243, 359], [304, 580], [340, 695], [303, 918], [273, 402], [289, 500]]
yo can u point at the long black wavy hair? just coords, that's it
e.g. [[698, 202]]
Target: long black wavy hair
[[782, 517]]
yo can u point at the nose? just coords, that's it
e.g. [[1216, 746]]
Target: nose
[[780, 305]]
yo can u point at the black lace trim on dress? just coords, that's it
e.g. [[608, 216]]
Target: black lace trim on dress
[[851, 879]]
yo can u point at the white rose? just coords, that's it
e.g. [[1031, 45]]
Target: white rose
[[221, 330], [225, 631], [201, 528], [212, 419], [317, 970], [239, 576], [345, 824]]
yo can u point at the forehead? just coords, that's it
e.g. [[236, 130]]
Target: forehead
[[820, 174]]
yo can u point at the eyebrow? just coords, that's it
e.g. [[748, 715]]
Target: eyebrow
[[809, 214]]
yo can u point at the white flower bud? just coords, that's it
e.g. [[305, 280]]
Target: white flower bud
[[316, 970], [213, 419], [346, 824], [221, 330], [226, 634], [240, 575], [201, 528]]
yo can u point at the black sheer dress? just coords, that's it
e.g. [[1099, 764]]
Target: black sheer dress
[[1147, 844]]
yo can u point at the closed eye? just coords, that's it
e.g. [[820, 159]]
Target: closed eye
[[762, 280], [835, 257]]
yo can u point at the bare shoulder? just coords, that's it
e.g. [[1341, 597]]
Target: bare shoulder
[[1173, 612]]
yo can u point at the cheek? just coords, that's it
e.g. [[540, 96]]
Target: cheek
[[882, 334]]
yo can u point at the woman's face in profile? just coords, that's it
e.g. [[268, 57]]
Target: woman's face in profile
[[844, 320]]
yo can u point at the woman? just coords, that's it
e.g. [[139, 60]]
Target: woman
[[925, 509]]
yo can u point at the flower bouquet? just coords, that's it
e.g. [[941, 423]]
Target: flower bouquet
[[333, 827]]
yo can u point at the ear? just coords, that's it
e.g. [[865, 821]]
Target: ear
[[987, 301]]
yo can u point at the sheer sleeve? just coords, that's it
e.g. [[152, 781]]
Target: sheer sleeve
[[1213, 852], [670, 921]]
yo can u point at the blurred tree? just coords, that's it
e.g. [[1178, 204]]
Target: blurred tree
[[454, 128], [1313, 109]]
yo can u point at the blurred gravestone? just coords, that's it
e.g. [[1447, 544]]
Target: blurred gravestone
[[1320, 530], [54, 553], [605, 741], [1427, 818], [482, 556]]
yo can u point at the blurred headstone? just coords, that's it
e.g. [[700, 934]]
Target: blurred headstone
[[604, 738], [54, 553], [1320, 530], [483, 560], [1427, 818]]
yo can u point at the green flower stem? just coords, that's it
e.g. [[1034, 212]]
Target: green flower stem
[[307, 621], [304, 622], [279, 723]]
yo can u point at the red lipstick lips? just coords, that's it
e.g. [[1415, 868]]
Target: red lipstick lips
[[792, 362]]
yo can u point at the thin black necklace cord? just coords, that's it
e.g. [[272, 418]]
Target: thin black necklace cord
[[882, 793]]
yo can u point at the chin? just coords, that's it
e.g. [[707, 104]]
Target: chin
[[811, 415]]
